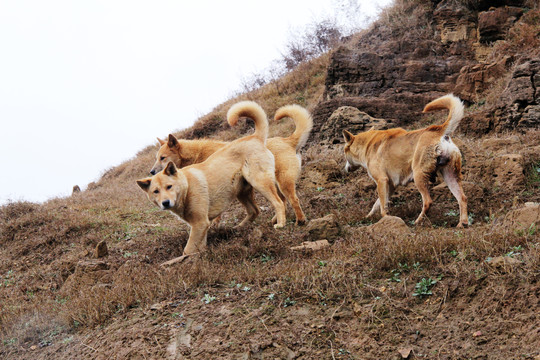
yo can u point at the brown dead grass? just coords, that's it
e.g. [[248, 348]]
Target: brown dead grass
[[46, 295]]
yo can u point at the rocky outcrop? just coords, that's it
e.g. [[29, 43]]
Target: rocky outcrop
[[494, 24], [527, 217], [392, 71], [351, 119]]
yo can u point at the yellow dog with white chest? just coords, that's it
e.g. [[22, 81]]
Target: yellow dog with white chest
[[201, 192]]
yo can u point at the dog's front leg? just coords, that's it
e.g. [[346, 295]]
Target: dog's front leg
[[197, 237]]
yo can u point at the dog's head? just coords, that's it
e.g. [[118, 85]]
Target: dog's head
[[169, 150], [165, 188], [353, 150]]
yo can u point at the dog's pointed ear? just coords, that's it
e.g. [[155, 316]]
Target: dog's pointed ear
[[170, 170], [161, 142], [144, 183], [347, 136], [173, 142]]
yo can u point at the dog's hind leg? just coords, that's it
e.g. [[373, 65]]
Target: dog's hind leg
[[452, 178], [288, 187], [421, 181], [282, 197], [376, 207], [265, 184], [248, 200], [385, 190]]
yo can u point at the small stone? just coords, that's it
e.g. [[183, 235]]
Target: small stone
[[503, 261], [101, 250], [311, 245], [405, 352]]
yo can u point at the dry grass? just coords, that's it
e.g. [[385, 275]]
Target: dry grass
[[46, 290]]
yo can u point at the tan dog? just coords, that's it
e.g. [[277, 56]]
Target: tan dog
[[286, 153], [396, 157], [201, 192]]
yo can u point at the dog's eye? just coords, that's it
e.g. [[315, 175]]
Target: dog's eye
[[156, 191], [162, 158], [169, 187]]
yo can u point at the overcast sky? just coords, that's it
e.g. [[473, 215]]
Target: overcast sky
[[84, 85]]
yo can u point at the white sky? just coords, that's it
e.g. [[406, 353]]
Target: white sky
[[84, 85]]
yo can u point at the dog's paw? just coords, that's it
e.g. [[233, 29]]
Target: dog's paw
[[175, 261], [301, 222], [462, 225], [423, 222], [279, 226]]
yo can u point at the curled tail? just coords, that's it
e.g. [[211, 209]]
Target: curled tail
[[252, 110], [455, 108], [303, 121]]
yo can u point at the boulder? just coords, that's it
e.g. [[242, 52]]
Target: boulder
[[524, 218], [323, 228], [351, 119], [494, 24], [508, 170], [389, 225]]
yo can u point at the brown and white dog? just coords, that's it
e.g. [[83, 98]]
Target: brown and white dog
[[396, 157], [201, 192], [288, 162]]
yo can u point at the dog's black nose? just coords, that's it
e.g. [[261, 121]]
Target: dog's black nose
[[153, 172], [166, 204]]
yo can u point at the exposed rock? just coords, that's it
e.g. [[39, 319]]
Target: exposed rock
[[473, 80], [323, 228], [351, 119], [454, 21], [525, 217], [519, 104], [500, 144], [531, 116], [389, 225], [494, 24], [508, 170], [311, 245], [503, 262], [76, 189], [101, 250]]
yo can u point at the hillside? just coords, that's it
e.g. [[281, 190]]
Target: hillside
[[381, 290]]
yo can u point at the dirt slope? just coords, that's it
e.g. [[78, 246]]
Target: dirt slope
[[385, 291]]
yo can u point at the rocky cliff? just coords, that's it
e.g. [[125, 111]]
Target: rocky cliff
[[423, 49]]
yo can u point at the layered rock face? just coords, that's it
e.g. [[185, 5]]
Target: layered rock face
[[394, 69]]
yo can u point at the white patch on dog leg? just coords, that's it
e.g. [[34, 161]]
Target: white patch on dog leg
[[376, 208], [347, 167]]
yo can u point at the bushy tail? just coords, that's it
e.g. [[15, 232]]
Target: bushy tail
[[455, 107], [252, 110], [303, 121]]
